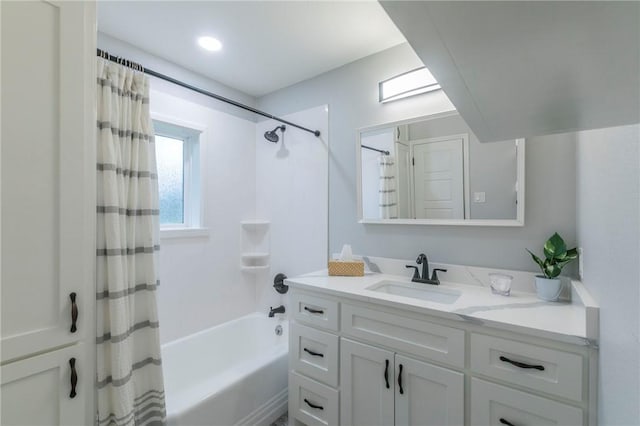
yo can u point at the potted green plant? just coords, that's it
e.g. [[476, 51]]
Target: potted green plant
[[557, 256]]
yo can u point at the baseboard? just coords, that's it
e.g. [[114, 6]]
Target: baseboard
[[268, 412]]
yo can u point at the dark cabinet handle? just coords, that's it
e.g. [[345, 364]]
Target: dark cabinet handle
[[506, 422], [74, 377], [313, 311], [319, 407], [386, 372], [313, 353], [74, 312], [400, 380], [521, 364]]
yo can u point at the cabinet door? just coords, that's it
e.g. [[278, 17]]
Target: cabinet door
[[498, 405], [47, 179], [427, 395], [366, 397], [36, 391]]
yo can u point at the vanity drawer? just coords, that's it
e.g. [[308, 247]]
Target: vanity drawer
[[311, 402], [408, 335], [314, 353], [547, 370], [497, 405], [314, 310]]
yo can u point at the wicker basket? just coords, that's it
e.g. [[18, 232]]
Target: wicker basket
[[346, 269]]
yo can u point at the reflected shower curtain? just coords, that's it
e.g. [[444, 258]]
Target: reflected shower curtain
[[129, 370], [388, 201]]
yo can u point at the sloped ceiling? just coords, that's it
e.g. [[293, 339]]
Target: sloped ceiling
[[526, 68]]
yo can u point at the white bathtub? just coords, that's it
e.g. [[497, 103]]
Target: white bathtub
[[231, 374]]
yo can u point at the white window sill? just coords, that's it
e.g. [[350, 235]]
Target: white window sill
[[168, 233]]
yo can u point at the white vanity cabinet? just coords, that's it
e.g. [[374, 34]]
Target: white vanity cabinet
[[355, 362], [380, 387]]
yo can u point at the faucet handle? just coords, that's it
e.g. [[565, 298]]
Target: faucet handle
[[416, 274], [434, 274]]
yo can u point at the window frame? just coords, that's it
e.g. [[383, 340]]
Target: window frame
[[408, 92], [193, 185]]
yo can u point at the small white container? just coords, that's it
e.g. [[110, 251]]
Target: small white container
[[501, 284]]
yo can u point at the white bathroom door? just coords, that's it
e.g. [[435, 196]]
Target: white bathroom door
[[366, 394], [48, 167], [427, 395], [438, 175]]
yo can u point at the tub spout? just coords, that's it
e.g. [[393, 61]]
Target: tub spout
[[278, 310]]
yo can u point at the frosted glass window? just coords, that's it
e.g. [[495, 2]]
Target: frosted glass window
[[170, 159]]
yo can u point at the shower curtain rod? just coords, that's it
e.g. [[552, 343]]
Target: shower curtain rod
[[381, 151], [164, 77]]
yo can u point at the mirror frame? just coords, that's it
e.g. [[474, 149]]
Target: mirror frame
[[520, 184]]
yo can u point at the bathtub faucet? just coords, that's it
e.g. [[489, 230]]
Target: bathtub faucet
[[278, 310]]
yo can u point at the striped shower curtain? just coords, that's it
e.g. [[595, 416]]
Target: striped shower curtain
[[129, 370], [388, 198]]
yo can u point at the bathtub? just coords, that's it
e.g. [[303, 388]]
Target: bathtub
[[231, 374]]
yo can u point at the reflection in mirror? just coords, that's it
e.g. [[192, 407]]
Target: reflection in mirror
[[434, 170]]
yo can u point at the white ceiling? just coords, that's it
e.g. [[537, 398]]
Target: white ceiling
[[268, 45], [526, 68]]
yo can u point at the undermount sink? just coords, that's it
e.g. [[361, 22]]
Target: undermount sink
[[416, 291]]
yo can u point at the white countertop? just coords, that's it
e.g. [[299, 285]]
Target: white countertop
[[571, 322]]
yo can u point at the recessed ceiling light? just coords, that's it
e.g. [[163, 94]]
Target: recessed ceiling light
[[209, 43]]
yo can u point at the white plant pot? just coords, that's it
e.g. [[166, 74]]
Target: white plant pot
[[548, 289]]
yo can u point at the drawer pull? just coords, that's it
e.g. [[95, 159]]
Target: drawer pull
[[506, 422], [521, 364], [319, 407], [313, 311], [74, 312], [386, 372], [400, 380], [313, 353], [74, 377]]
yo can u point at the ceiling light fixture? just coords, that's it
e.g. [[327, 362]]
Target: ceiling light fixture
[[407, 84], [209, 43]]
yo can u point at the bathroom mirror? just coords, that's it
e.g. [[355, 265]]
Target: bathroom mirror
[[433, 171]]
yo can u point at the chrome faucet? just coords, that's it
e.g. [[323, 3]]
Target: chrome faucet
[[278, 310], [422, 260]]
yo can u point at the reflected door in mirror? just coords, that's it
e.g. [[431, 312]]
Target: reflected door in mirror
[[439, 179]]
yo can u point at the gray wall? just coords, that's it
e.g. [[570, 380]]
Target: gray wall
[[351, 92], [608, 163], [492, 167]]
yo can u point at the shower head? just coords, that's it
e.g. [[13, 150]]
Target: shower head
[[272, 136]]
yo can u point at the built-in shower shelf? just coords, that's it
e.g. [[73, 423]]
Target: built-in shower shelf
[[254, 257], [255, 245], [254, 269], [255, 224]]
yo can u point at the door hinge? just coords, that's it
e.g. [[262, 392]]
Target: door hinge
[[413, 161]]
